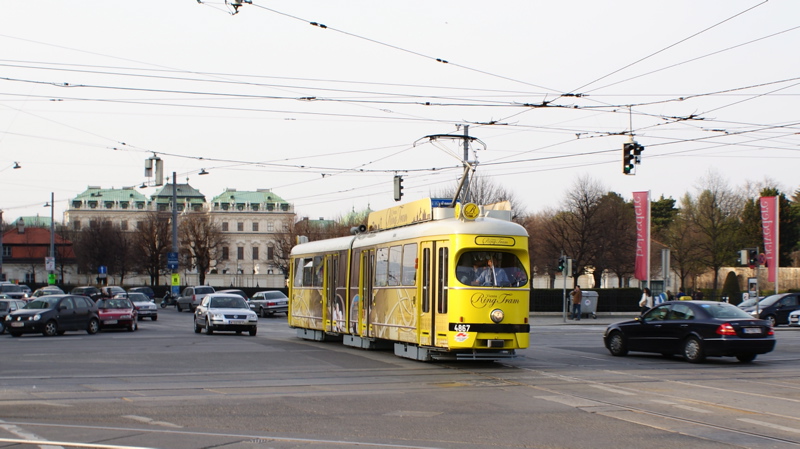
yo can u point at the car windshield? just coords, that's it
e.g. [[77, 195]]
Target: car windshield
[[138, 297], [203, 290], [725, 311], [229, 303], [42, 303], [114, 303], [770, 300], [10, 288], [747, 303], [3, 306]]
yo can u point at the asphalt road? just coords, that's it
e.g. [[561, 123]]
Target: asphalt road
[[164, 386]]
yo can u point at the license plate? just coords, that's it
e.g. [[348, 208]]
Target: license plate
[[17, 324], [752, 330], [110, 322], [238, 322]]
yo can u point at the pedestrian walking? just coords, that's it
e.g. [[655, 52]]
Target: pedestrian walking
[[646, 303], [576, 295]]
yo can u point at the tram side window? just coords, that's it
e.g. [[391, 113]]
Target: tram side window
[[302, 272], [319, 271], [410, 264], [381, 267], [395, 265]]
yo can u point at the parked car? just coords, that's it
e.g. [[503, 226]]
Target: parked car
[[145, 307], [46, 291], [12, 290], [776, 308], [224, 312], [145, 290], [191, 297], [90, 291], [54, 315], [8, 305], [27, 290], [794, 318], [116, 313], [694, 329], [268, 303], [748, 302]]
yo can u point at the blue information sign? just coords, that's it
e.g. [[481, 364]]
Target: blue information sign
[[172, 261]]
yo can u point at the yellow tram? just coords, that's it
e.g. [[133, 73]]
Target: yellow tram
[[433, 282]]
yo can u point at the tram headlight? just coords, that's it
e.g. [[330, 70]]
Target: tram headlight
[[497, 315]]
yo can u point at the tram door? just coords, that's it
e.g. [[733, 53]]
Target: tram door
[[332, 285], [367, 295], [433, 306]]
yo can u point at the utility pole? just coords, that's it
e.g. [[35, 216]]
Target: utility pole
[[466, 191], [174, 224]]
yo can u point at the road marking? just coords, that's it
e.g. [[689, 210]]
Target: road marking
[[27, 436], [681, 406], [773, 426], [614, 390], [147, 420]]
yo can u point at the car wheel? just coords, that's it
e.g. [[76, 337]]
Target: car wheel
[[15, 334], [263, 313], [693, 350], [197, 327], [617, 345], [773, 321], [154, 318], [50, 329], [209, 330], [2, 328], [132, 327], [745, 358], [94, 326], [178, 306], [253, 332]]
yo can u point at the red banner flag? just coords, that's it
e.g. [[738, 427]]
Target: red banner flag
[[770, 214], [641, 207]]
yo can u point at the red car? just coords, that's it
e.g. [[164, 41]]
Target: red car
[[117, 313]]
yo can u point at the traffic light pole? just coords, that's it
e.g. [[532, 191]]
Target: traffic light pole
[[564, 293]]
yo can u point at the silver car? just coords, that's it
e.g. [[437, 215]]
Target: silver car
[[192, 296], [224, 312], [268, 303]]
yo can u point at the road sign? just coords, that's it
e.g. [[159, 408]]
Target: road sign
[[51, 279], [102, 271], [176, 279], [172, 261], [50, 263]]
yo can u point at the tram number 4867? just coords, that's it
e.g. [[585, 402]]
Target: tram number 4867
[[461, 328]]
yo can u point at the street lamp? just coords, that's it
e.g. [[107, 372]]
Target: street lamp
[[51, 263]]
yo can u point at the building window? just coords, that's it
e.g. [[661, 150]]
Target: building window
[[139, 225], [255, 226], [240, 226], [270, 252], [255, 253], [76, 225], [224, 226], [240, 253], [270, 226], [30, 278], [6, 252], [224, 253], [123, 225]]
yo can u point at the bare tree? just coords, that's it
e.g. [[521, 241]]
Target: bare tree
[[616, 244], [201, 239], [484, 190], [103, 244], [715, 214], [682, 238], [152, 241]]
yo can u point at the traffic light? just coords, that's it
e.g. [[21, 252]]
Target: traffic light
[[570, 268], [637, 153], [398, 187], [752, 258], [562, 262], [628, 158], [744, 257]]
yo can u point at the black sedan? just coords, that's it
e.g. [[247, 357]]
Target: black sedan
[[54, 315], [694, 329]]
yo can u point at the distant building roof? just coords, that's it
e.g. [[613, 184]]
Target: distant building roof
[[185, 192], [33, 222], [98, 198], [263, 200]]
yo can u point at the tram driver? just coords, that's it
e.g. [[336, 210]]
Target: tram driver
[[492, 276]]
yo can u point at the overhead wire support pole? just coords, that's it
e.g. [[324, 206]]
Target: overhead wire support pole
[[467, 166]]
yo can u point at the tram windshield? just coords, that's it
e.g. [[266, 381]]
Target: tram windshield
[[491, 269]]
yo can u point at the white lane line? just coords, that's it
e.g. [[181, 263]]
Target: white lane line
[[147, 420], [681, 406], [614, 390], [27, 437], [773, 426]]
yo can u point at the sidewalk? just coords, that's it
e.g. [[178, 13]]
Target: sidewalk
[[557, 319]]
